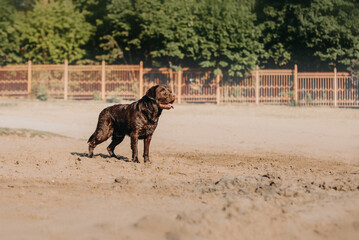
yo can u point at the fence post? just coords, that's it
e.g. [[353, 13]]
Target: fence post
[[218, 95], [141, 80], [103, 77], [257, 85], [29, 75], [66, 76], [179, 87], [335, 84], [295, 84]]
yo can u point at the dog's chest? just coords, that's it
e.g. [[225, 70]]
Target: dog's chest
[[147, 130]]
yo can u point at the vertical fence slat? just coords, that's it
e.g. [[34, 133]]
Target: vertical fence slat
[[29, 73], [66, 75], [218, 95], [295, 89], [141, 80], [335, 88], [257, 85], [179, 87], [103, 80]]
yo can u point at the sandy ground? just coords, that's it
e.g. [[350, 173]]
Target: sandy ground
[[217, 172]]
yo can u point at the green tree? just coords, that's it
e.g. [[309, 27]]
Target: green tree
[[330, 29], [211, 33], [147, 30], [95, 12], [170, 25], [228, 38], [354, 69], [9, 36], [125, 35], [229, 35], [314, 34], [54, 32], [277, 24]]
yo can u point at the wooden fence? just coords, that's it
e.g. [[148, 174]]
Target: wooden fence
[[129, 82]]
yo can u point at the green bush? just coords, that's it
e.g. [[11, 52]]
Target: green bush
[[287, 93], [308, 97], [41, 93], [97, 96], [114, 98]]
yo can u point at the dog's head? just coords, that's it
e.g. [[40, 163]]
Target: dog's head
[[162, 95]]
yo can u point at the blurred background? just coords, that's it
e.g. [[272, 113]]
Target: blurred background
[[208, 51], [233, 36]]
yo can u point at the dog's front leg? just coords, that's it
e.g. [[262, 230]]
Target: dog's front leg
[[134, 143], [146, 150]]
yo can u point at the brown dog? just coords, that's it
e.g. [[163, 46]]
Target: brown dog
[[137, 120]]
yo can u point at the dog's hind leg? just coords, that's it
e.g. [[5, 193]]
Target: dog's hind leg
[[115, 141], [91, 148], [101, 134]]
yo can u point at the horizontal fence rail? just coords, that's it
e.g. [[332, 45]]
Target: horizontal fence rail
[[130, 82]]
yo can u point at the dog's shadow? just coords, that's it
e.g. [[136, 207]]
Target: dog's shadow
[[121, 158]]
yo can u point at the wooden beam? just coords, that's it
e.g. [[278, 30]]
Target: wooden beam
[[103, 79], [141, 80], [295, 88], [218, 95], [335, 84], [257, 85], [29, 79], [179, 87], [66, 75]]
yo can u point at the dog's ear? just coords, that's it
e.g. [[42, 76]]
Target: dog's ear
[[151, 93]]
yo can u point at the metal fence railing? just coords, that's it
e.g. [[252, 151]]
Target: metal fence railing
[[129, 82]]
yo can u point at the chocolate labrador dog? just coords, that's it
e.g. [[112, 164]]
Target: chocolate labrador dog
[[137, 120]]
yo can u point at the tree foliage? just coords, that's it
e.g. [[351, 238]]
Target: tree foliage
[[54, 32], [156, 31], [9, 36], [95, 12], [230, 36], [44, 32], [315, 34], [218, 34]]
